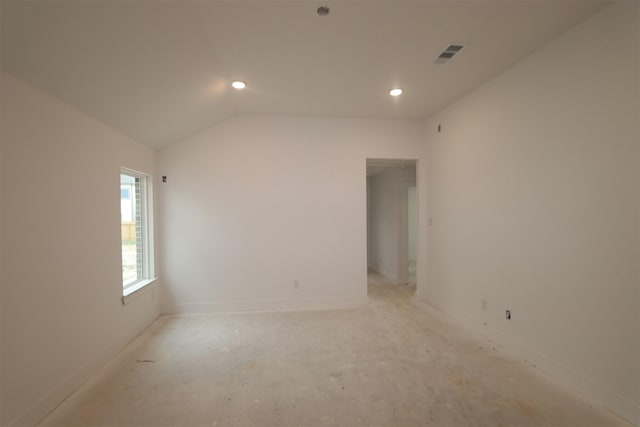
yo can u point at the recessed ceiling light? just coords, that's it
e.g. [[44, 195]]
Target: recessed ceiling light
[[395, 92], [238, 84]]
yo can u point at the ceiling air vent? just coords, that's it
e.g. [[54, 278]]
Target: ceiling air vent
[[448, 53]]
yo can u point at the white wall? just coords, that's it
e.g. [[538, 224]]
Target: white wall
[[62, 315], [534, 194], [256, 203], [385, 226], [1, 275], [370, 255], [407, 179], [412, 208]]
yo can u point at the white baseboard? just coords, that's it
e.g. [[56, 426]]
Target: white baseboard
[[50, 401], [270, 305], [562, 373]]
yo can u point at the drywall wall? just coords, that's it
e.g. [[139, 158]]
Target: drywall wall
[[407, 179], [370, 257], [62, 315], [534, 196], [412, 210], [269, 212], [385, 224], [1, 316]]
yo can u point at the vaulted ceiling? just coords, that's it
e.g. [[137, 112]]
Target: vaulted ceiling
[[160, 71]]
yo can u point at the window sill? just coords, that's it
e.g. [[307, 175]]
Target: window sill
[[138, 289]]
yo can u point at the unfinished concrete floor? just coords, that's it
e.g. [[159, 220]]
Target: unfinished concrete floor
[[392, 363]]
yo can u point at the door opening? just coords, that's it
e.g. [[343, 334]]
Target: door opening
[[392, 221]]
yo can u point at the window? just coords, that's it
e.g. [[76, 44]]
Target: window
[[136, 228], [127, 205]]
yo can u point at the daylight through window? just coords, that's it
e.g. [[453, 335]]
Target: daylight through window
[[135, 226]]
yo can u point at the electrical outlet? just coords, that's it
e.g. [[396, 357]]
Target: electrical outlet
[[507, 314]]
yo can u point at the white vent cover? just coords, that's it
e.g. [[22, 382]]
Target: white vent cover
[[451, 51]]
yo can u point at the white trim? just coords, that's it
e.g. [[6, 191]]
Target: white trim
[[271, 305], [132, 292], [146, 206]]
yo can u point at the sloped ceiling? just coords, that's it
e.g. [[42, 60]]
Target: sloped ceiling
[[160, 71]]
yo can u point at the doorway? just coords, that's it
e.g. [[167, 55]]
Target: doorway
[[392, 221]]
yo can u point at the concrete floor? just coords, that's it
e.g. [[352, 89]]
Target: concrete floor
[[392, 363]]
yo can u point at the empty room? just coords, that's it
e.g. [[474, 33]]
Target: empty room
[[300, 213]]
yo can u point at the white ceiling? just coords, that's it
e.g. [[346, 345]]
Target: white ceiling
[[160, 70]]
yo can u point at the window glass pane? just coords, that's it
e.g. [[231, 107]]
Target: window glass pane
[[136, 225], [127, 204], [131, 229]]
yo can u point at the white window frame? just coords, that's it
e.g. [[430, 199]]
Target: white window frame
[[148, 260]]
